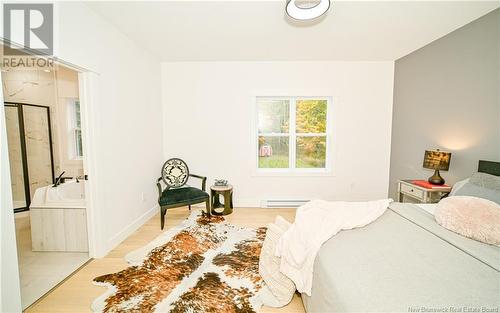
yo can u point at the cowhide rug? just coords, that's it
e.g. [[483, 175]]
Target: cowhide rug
[[200, 266]]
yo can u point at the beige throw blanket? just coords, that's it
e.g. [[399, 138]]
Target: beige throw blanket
[[316, 222]]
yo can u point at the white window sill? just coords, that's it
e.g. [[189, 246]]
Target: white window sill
[[293, 172]]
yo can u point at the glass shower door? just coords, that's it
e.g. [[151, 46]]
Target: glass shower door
[[30, 150], [15, 156], [38, 147]]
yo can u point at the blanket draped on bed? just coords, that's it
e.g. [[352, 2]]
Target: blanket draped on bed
[[316, 222]]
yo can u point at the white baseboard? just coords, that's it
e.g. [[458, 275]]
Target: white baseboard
[[131, 228], [247, 203], [240, 203]]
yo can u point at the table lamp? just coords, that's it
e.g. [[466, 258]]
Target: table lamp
[[436, 160]]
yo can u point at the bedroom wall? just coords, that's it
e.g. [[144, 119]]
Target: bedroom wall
[[446, 95], [208, 120], [126, 119]]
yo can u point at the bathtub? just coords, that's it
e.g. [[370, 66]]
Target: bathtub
[[68, 195], [58, 218]]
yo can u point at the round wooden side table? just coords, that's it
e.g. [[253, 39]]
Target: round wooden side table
[[227, 193]]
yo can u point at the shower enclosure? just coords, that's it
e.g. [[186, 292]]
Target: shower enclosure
[[31, 159]]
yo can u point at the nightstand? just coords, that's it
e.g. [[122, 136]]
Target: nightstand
[[420, 194], [227, 192]]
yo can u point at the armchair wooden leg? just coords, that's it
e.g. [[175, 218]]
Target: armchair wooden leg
[[207, 205], [162, 216]]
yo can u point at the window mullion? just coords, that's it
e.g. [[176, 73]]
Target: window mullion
[[292, 139]]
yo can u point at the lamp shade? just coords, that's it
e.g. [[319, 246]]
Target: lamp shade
[[437, 160]]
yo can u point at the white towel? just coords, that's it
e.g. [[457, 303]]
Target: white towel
[[316, 222]]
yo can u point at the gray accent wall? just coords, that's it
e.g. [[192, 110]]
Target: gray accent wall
[[446, 95]]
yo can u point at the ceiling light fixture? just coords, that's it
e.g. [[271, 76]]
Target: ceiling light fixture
[[311, 10]]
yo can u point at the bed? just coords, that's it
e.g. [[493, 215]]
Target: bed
[[406, 262]]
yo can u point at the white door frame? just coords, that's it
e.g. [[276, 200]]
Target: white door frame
[[88, 91], [10, 290]]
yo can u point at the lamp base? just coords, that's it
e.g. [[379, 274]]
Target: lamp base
[[436, 179]]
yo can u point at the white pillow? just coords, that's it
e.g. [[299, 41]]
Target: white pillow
[[486, 181], [280, 286], [458, 185], [472, 217]]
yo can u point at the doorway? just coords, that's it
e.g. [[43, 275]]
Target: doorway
[[48, 177]]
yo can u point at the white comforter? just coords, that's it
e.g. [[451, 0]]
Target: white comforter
[[316, 222]]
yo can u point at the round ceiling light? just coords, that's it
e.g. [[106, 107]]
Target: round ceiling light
[[306, 10]]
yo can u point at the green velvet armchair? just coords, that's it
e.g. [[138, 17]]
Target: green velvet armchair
[[174, 175]]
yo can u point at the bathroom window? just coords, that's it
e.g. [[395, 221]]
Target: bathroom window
[[75, 148], [292, 134]]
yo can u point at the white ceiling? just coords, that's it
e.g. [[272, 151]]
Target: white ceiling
[[259, 31]]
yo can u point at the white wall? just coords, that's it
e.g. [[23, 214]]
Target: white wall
[[208, 121], [125, 119], [66, 89]]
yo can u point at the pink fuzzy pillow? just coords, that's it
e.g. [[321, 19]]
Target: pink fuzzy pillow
[[472, 217]]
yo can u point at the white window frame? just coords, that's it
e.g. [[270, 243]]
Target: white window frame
[[292, 135], [72, 130]]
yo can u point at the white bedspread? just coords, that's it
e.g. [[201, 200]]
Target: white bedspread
[[316, 222]]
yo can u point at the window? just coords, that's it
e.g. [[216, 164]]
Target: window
[[75, 148], [292, 134]]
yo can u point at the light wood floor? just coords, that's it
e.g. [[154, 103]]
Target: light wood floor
[[77, 292]]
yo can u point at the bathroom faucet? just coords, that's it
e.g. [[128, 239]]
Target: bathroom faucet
[[58, 180]]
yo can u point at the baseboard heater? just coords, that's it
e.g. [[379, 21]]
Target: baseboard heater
[[282, 203]]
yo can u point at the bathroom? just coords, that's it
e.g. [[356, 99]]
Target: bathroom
[[48, 178]]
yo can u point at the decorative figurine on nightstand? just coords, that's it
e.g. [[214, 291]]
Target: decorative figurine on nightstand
[[437, 160], [220, 182]]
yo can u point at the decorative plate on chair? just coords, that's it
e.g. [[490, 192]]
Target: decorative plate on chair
[[175, 173]]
